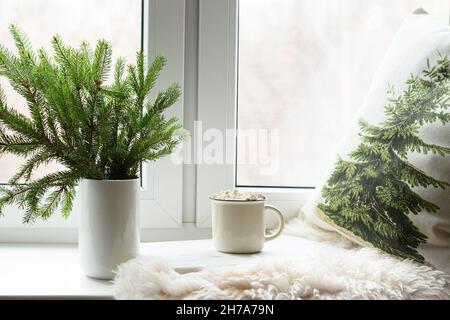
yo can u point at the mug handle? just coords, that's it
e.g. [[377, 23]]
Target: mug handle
[[280, 222]]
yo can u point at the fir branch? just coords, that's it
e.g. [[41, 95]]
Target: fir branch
[[93, 128]]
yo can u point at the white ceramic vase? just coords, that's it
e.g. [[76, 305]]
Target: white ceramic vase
[[109, 226]]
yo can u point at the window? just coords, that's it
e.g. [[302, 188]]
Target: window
[[295, 70], [304, 67]]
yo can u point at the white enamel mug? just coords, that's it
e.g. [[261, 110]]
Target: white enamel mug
[[240, 227]]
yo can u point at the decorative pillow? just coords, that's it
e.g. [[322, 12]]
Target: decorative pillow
[[389, 187]]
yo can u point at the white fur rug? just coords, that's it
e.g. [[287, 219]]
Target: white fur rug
[[361, 273]]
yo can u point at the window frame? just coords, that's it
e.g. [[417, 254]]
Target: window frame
[[218, 43], [191, 41]]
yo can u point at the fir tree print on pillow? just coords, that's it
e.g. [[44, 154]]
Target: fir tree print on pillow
[[370, 196]]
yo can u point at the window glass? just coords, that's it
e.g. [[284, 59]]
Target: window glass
[[304, 69], [117, 21]]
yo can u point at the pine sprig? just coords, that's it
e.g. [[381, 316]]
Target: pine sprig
[[96, 128], [370, 195]]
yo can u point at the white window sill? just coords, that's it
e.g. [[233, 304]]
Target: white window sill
[[52, 270]]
